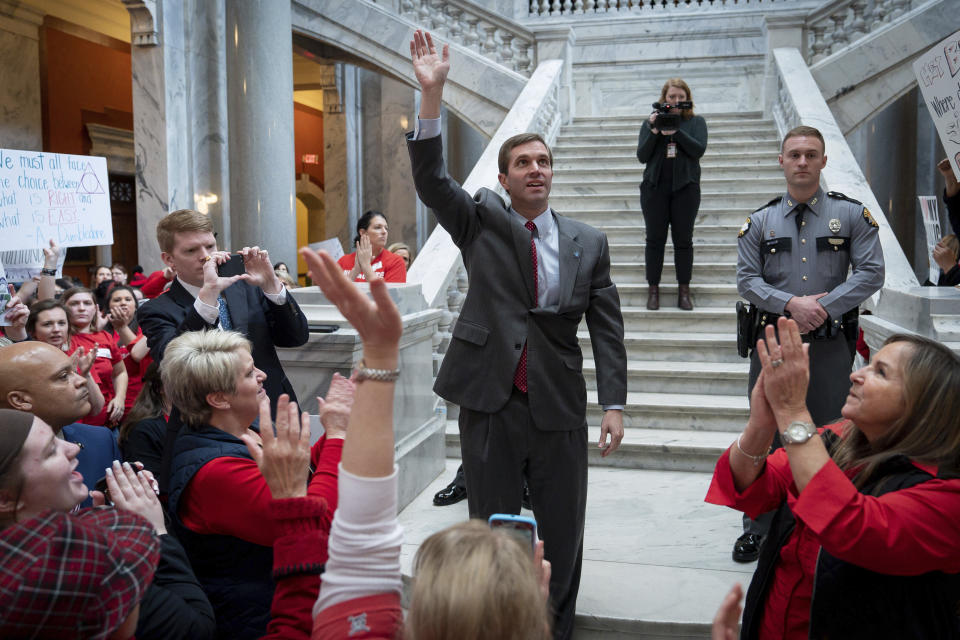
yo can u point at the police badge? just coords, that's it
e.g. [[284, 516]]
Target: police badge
[[834, 225]]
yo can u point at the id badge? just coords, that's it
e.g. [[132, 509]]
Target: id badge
[[671, 149]]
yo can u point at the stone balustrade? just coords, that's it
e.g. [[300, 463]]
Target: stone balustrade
[[840, 23], [553, 8], [486, 32]]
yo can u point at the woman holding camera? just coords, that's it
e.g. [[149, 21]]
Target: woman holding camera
[[672, 140]]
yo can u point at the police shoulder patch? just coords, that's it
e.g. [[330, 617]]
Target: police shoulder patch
[[769, 204], [869, 218], [840, 196], [744, 228]]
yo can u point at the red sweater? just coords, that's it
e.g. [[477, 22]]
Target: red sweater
[[389, 265], [108, 354], [907, 532], [228, 496], [154, 285]]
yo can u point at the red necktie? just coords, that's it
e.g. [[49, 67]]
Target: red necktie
[[520, 375]]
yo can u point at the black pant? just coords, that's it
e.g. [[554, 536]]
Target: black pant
[[499, 450], [663, 207]]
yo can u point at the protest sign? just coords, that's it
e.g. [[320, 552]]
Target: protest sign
[[4, 298], [938, 74], [330, 245], [23, 264], [931, 225], [52, 195]]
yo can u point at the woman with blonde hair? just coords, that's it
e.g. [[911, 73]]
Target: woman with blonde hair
[[670, 147]]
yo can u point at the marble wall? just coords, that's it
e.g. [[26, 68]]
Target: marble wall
[[20, 125]]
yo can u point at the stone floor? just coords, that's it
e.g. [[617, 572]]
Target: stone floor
[[656, 557]]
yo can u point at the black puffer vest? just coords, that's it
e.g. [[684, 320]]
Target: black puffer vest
[[234, 573], [850, 602]]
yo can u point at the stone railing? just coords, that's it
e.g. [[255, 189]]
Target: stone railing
[[902, 305], [439, 266], [840, 23], [553, 8], [488, 33]]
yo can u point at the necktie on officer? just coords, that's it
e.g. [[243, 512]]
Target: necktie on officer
[[801, 209]]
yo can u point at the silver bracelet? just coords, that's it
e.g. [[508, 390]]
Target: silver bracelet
[[756, 459], [378, 375]]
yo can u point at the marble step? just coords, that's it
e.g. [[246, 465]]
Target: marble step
[[628, 135], [632, 172], [719, 252], [710, 185], [703, 295], [768, 144], [643, 529], [674, 320], [723, 117], [658, 376], [744, 199], [675, 346], [714, 127], [703, 272], [709, 214], [702, 233], [698, 412], [743, 160]]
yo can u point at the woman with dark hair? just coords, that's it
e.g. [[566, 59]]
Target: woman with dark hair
[[94, 573], [144, 429], [371, 259], [866, 539], [122, 305], [82, 315], [670, 191]]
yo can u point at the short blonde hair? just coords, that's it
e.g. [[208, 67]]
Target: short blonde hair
[[198, 363], [182, 221], [473, 583]]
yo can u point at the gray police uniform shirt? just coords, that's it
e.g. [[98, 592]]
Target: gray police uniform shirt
[[775, 261]]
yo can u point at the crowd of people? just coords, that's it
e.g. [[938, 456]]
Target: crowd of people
[[158, 480]]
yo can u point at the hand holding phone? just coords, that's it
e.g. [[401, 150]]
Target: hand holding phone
[[522, 528]]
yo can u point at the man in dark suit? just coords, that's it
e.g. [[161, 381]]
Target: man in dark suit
[[514, 364], [254, 303]]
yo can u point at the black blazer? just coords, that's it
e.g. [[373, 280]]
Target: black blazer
[[266, 325], [500, 312]]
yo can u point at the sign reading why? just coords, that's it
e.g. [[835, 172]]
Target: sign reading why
[[938, 73], [52, 195]]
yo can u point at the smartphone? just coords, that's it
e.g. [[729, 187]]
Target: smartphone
[[232, 267], [101, 486], [522, 528]]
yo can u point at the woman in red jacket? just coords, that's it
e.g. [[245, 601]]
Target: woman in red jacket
[[371, 259], [866, 541]]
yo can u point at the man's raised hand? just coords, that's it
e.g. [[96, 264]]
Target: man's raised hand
[[431, 69]]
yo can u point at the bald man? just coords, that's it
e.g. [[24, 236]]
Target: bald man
[[40, 379]]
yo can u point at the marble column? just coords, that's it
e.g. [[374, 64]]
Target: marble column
[[160, 123], [20, 125], [781, 31], [260, 104], [335, 160]]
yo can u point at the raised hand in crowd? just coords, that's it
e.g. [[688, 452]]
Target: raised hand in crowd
[[335, 408], [431, 69], [16, 314], [47, 287], [952, 186], [83, 360], [726, 624], [364, 258], [257, 263], [284, 457]]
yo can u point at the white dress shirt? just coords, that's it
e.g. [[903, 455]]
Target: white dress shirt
[[211, 313]]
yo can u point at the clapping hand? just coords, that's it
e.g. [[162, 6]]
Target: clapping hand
[[335, 408], [83, 360], [945, 258], [786, 368], [133, 491], [726, 624], [284, 458], [119, 317]]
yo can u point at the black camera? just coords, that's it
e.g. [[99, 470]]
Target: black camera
[[668, 115]]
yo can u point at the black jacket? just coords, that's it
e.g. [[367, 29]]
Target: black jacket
[[691, 139], [174, 606]]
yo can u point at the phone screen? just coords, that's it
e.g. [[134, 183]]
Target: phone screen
[[232, 267], [524, 532]]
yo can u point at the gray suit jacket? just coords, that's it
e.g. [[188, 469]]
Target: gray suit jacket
[[500, 311]]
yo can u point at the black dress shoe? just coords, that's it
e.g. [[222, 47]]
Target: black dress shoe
[[525, 500], [451, 494], [747, 547]]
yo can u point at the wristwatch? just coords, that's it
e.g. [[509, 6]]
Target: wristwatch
[[379, 375], [48, 272], [798, 432]]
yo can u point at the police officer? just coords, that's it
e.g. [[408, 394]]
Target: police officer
[[793, 257]]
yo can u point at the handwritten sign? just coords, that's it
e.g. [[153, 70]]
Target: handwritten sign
[[53, 195], [23, 264], [931, 226], [4, 299], [938, 74]]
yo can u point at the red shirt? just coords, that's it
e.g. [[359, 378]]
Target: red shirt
[[154, 285], [135, 371], [377, 617], [228, 496], [389, 265], [907, 532], [108, 354]]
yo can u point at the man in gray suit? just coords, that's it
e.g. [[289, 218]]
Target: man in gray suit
[[514, 364]]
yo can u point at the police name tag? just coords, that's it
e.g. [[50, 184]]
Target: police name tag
[[835, 241], [671, 149], [103, 353]]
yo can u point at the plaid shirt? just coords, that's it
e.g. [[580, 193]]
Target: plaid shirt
[[74, 575]]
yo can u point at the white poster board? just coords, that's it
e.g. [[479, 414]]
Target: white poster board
[[53, 195], [23, 264], [4, 298], [330, 245], [931, 225], [938, 74]]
